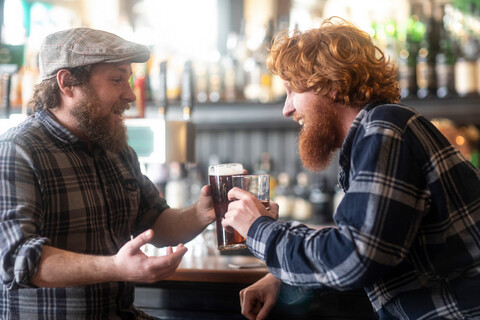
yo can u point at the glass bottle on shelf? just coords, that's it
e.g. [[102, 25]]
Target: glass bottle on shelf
[[258, 79], [407, 58], [214, 78], [284, 196], [201, 80], [445, 58], [266, 90], [229, 70], [429, 47], [321, 201], [465, 68], [302, 209]]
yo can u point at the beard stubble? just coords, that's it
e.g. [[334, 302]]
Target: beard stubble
[[102, 130]]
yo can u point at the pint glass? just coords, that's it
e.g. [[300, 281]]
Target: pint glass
[[256, 184], [220, 177]]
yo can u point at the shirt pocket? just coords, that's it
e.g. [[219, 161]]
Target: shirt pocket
[[127, 205]]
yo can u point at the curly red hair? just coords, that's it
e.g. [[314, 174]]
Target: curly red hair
[[337, 60]]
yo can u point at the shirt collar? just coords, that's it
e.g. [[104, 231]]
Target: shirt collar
[[346, 150], [55, 128]]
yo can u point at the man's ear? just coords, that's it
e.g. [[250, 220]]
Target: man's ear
[[62, 77]]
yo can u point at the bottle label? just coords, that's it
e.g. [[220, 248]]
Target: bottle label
[[425, 75], [406, 77], [465, 82], [445, 78]]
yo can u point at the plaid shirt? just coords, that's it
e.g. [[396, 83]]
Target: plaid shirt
[[408, 227], [56, 192]]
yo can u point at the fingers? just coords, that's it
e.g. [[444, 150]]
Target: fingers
[[265, 309], [140, 240], [246, 309], [273, 206], [273, 211], [172, 256], [178, 254], [250, 305], [238, 194], [206, 191]]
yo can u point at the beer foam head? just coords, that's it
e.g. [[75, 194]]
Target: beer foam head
[[225, 169]]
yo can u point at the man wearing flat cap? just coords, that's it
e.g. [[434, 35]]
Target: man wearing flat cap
[[74, 206]]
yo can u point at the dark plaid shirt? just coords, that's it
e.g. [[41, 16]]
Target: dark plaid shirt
[[54, 191], [408, 227]]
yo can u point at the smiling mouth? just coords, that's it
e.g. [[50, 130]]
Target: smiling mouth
[[119, 111], [299, 120]]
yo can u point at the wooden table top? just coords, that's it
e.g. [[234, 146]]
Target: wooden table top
[[226, 269]]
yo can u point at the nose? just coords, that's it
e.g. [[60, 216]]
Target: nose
[[128, 95], [288, 108]]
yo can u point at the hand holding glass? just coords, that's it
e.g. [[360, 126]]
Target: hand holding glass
[[220, 177], [256, 184]]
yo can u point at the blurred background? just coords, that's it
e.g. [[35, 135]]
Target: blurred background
[[209, 56]]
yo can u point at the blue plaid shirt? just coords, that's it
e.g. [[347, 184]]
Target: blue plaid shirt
[[408, 227], [55, 191]]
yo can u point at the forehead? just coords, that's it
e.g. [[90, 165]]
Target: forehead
[[107, 68]]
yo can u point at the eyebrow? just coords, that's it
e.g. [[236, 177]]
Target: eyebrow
[[125, 70]]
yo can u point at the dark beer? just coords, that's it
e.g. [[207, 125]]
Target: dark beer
[[220, 178]]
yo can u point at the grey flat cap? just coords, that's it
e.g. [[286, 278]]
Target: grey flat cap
[[84, 46]]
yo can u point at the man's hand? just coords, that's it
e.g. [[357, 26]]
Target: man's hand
[[204, 205], [182, 225], [245, 210], [258, 300], [133, 265]]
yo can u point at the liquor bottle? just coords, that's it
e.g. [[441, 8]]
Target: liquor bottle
[[303, 209], [407, 63], [187, 90], [201, 80], [321, 201], [258, 79], [162, 89], [265, 165], [407, 60], [465, 68], [426, 77], [253, 74], [177, 188], [445, 58], [240, 53], [229, 70], [214, 78], [284, 196], [266, 90]]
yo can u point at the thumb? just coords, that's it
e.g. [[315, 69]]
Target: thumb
[[266, 308], [143, 238], [205, 191]]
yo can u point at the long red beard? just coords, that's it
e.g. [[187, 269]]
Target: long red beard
[[319, 138]]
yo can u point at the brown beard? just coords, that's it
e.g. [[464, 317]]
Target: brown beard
[[100, 130], [319, 138]]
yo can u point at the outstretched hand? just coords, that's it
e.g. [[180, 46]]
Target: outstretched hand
[[135, 266]]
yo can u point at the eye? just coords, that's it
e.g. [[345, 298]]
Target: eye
[[117, 80]]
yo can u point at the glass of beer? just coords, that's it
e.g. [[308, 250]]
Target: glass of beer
[[256, 184], [220, 177]]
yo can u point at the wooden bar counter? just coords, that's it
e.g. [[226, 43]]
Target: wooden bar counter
[[208, 288]]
